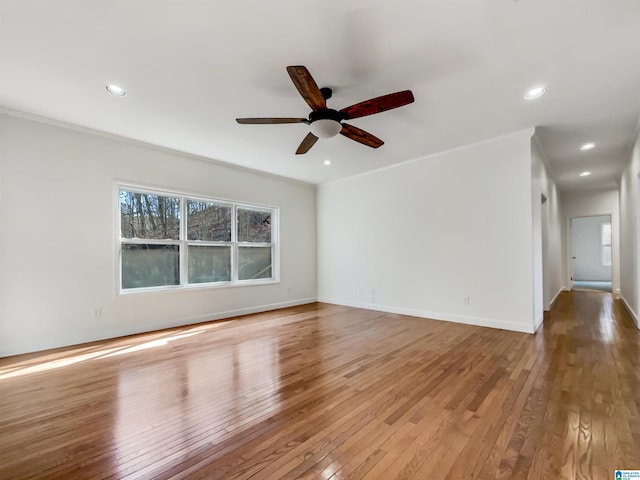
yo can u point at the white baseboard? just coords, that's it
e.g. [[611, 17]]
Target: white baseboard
[[633, 314], [537, 322], [74, 338], [562, 289], [247, 311], [477, 321], [548, 308]]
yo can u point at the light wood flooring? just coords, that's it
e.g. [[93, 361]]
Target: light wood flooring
[[330, 392]]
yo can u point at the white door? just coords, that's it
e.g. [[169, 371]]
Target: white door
[[591, 248]]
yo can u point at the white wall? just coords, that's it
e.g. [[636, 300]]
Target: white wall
[[586, 247], [630, 233], [586, 204], [547, 220], [419, 237], [57, 211]]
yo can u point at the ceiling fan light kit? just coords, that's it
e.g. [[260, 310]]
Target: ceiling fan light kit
[[325, 128], [326, 122]]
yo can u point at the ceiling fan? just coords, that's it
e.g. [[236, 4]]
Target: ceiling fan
[[326, 122]]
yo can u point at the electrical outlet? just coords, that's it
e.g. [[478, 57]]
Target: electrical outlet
[[97, 313], [466, 300]]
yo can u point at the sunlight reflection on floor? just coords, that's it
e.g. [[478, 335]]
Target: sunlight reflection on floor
[[153, 343], [83, 353]]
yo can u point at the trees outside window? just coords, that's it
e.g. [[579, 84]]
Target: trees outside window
[[169, 241]]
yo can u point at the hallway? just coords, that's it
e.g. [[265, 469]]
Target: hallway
[[590, 388]]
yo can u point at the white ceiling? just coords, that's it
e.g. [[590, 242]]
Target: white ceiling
[[191, 67]]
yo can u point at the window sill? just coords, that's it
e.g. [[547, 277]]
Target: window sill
[[199, 286]]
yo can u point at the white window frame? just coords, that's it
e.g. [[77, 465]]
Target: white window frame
[[603, 245], [183, 243]]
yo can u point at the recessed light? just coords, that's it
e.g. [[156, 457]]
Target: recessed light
[[585, 174], [116, 90], [587, 146], [327, 162], [536, 92]]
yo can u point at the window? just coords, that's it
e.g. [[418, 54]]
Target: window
[[605, 243], [254, 237], [168, 240]]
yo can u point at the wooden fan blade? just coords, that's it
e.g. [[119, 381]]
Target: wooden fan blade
[[308, 142], [307, 87], [359, 135], [378, 104], [259, 121]]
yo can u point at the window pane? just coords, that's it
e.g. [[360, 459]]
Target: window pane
[[254, 262], [150, 265], [208, 221], [254, 226], [209, 264], [606, 234], [144, 215], [606, 255]]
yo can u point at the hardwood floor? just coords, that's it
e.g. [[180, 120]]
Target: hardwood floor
[[330, 392]]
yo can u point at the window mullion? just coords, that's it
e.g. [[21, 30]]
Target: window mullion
[[184, 249], [234, 243]]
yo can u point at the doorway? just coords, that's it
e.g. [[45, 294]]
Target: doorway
[[591, 253]]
